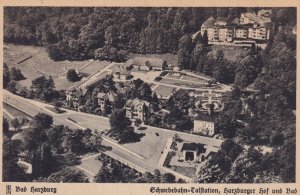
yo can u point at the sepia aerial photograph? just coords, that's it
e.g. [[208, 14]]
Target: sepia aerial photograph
[[149, 94]]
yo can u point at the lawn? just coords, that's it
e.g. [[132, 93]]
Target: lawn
[[196, 79], [15, 112], [230, 52], [41, 65], [91, 164], [164, 91], [94, 67], [187, 171], [171, 59], [182, 83], [172, 76]]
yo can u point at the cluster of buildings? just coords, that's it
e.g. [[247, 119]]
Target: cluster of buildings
[[203, 119], [123, 71], [194, 152], [249, 28], [134, 109]]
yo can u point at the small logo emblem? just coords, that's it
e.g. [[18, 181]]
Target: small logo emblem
[[8, 189]]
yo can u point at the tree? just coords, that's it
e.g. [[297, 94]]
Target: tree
[[11, 172], [6, 76], [5, 126], [184, 50], [42, 121], [121, 126], [247, 72], [104, 175], [16, 74], [47, 160], [168, 178], [68, 175], [44, 88], [16, 124], [137, 122], [154, 98], [145, 92], [72, 75], [204, 40], [91, 141], [58, 105], [34, 141]]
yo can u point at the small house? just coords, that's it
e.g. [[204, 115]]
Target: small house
[[204, 124], [136, 109], [120, 72]]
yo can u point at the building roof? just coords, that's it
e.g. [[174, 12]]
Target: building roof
[[121, 70], [236, 21], [263, 12], [133, 104], [181, 93], [221, 20], [111, 96], [143, 61], [193, 147], [256, 18], [101, 95], [77, 92], [80, 92], [204, 117], [210, 22]]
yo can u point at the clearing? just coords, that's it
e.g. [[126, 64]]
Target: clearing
[[230, 52], [34, 62]]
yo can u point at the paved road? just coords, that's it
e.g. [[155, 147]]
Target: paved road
[[32, 108], [125, 154]]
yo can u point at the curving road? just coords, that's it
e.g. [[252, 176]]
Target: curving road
[[130, 154]]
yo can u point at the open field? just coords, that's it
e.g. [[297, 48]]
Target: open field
[[40, 65], [171, 59], [94, 67], [164, 91], [230, 52]]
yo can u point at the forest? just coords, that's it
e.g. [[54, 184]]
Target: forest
[[76, 33], [112, 33]]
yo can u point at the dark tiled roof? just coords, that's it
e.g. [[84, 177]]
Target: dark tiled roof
[[180, 93], [205, 117], [193, 147]]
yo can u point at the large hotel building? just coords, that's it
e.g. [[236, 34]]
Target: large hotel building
[[249, 28]]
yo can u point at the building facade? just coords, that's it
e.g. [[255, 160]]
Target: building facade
[[136, 109], [106, 100], [249, 27], [204, 124]]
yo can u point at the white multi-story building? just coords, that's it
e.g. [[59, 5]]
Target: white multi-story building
[[259, 32], [204, 124], [250, 27]]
